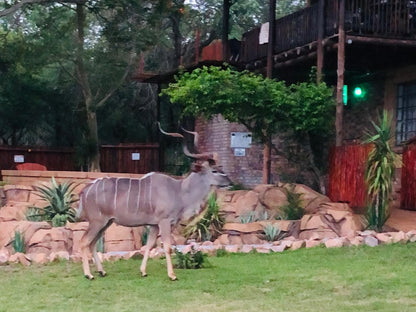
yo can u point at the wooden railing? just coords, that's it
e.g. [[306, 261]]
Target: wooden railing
[[371, 18]]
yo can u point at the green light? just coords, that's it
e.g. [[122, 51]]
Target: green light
[[345, 94], [358, 92]]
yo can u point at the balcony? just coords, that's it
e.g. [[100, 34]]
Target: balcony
[[379, 20]]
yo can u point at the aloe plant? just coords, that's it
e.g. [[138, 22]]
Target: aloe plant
[[60, 197], [379, 172]]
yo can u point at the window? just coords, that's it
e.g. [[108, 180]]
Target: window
[[406, 112]]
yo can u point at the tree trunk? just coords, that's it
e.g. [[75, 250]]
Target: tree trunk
[[225, 29], [340, 72], [92, 135], [267, 161]]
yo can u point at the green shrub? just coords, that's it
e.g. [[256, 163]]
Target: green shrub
[[145, 235], [60, 198], [209, 226], [293, 210], [191, 260], [19, 242]]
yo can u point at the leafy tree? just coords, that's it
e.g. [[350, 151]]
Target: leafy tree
[[263, 105]]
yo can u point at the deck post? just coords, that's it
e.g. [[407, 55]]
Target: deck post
[[267, 151], [340, 74]]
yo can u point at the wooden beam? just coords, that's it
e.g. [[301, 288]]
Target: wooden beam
[[272, 30], [225, 29], [381, 41], [340, 74]]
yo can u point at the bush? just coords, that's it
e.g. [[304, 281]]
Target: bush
[[60, 198], [209, 226], [35, 214], [293, 210], [192, 260]]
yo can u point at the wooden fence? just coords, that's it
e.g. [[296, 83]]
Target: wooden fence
[[346, 174], [408, 180], [124, 158]]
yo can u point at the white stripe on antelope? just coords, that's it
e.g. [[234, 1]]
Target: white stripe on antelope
[[156, 200]]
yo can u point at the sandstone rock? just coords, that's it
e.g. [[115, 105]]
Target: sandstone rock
[[117, 233], [119, 245], [317, 234], [384, 238], [246, 248], [370, 241], [356, 241], [59, 255], [411, 235], [279, 248], [263, 249], [235, 240], [76, 258], [350, 225], [7, 232], [252, 227], [222, 240], [17, 193], [13, 211], [399, 237], [310, 222], [247, 203], [4, 256], [250, 239], [335, 242], [312, 243], [284, 225], [232, 248], [273, 198], [39, 258], [311, 199], [298, 244], [19, 258]]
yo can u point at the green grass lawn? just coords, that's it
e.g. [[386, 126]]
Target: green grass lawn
[[319, 279]]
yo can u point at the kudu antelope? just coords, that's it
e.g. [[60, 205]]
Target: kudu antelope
[[156, 200]]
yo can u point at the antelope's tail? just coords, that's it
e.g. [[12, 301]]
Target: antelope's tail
[[79, 214]]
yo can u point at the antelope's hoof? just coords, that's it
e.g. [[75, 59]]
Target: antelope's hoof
[[102, 273], [89, 277], [173, 278], [144, 274]]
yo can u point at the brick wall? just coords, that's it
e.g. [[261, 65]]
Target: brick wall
[[215, 136]]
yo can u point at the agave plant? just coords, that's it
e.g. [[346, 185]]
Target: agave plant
[[60, 198], [271, 232], [379, 173]]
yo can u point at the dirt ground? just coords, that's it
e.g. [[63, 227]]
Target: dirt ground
[[402, 220]]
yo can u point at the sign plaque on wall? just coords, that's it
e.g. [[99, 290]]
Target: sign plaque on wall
[[19, 158], [239, 152], [241, 139], [135, 156]]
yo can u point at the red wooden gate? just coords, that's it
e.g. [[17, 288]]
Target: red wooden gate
[[346, 174]]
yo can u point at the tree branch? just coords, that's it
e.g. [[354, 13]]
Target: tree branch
[[115, 87], [17, 6]]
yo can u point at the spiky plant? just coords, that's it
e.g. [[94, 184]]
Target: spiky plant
[[271, 232], [379, 172], [19, 242], [208, 225], [60, 197]]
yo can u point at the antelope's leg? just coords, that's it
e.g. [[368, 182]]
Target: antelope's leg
[[151, 239], [88, 244], [165, 231]]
